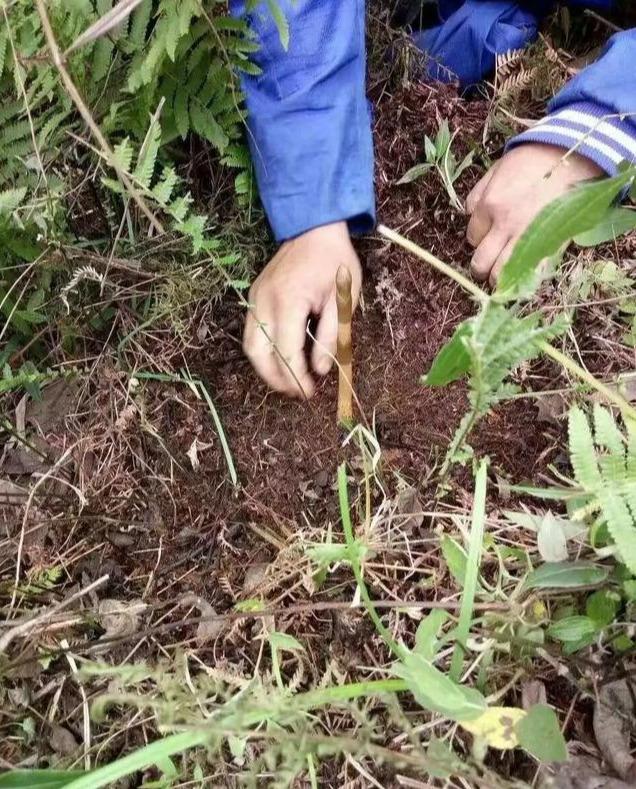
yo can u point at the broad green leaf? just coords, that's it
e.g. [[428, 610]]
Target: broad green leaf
[[452, 361], [497, 726], [38, 779], [435, 691], [615, 223], [455, 557], [414, 173], [566, 575], [285, 642], [576, 212], [602, 606], [540, 735], [572, 628], [426, 637]]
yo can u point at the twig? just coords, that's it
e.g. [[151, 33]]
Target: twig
[[603, 21], [26, 626], [86, 716], [344, 354], [83, 110]]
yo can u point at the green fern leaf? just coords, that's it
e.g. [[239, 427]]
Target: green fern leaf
[[582, 452], [139, 25], [123, 155], [10, 199], [280, 20], [180, 109], [147, 159], [620, 524], [179, 207], [162, 192], [204, 123]]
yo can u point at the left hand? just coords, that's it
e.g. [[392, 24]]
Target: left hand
[[511, 194]]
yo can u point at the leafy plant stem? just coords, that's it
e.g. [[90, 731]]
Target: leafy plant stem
[[472, 570], [355, 564], [176, 743], [483, 298]]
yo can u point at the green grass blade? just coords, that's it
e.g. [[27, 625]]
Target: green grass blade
[[221, 433], [472, 570]]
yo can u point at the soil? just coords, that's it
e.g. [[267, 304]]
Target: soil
[[163, 529]]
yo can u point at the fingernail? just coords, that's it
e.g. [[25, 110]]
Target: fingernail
[[323, 365]]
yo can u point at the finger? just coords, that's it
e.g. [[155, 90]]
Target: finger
[[259, 350], [479, 226], [500, 262], [290, 344], [487, 253], [326, 338], [477, 192]]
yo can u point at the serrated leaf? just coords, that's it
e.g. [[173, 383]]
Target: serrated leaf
[[453, 360], [576, 212], [10, 199], [280, 20], [540, 735], [122, 155], [566, 575]]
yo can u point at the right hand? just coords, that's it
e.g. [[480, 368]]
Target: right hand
[[299, 281]]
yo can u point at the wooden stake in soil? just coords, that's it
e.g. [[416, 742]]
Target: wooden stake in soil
[[344, 354]]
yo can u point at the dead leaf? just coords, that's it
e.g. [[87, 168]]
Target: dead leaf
[[614, 716], [212, 626], [119, 617], [62, 741], [581, 772], [533, 692], [409, 507], [551, 539], [20, 696], [193, 455], [551, 408], [57, 402], [254, 577], [10, 493]]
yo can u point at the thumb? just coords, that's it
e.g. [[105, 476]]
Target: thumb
[[326, 338]]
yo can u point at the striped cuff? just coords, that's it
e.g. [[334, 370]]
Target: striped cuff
[[590, 129]]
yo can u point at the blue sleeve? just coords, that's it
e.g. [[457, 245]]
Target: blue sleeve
[[464, 47], [308, 117], [471, 33], [595, 114]]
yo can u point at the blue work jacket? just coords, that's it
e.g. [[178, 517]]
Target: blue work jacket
[[309, 121]]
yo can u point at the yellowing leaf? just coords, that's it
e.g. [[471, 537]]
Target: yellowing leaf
[[496, 726]]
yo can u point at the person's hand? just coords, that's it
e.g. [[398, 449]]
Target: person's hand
[[299, 281], [510, 196]]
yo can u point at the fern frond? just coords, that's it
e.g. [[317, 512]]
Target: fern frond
[[163, 189], [582, 452], [506, 60], [147, 159]]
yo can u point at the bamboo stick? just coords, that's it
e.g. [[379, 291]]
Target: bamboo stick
[[344, 353]]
